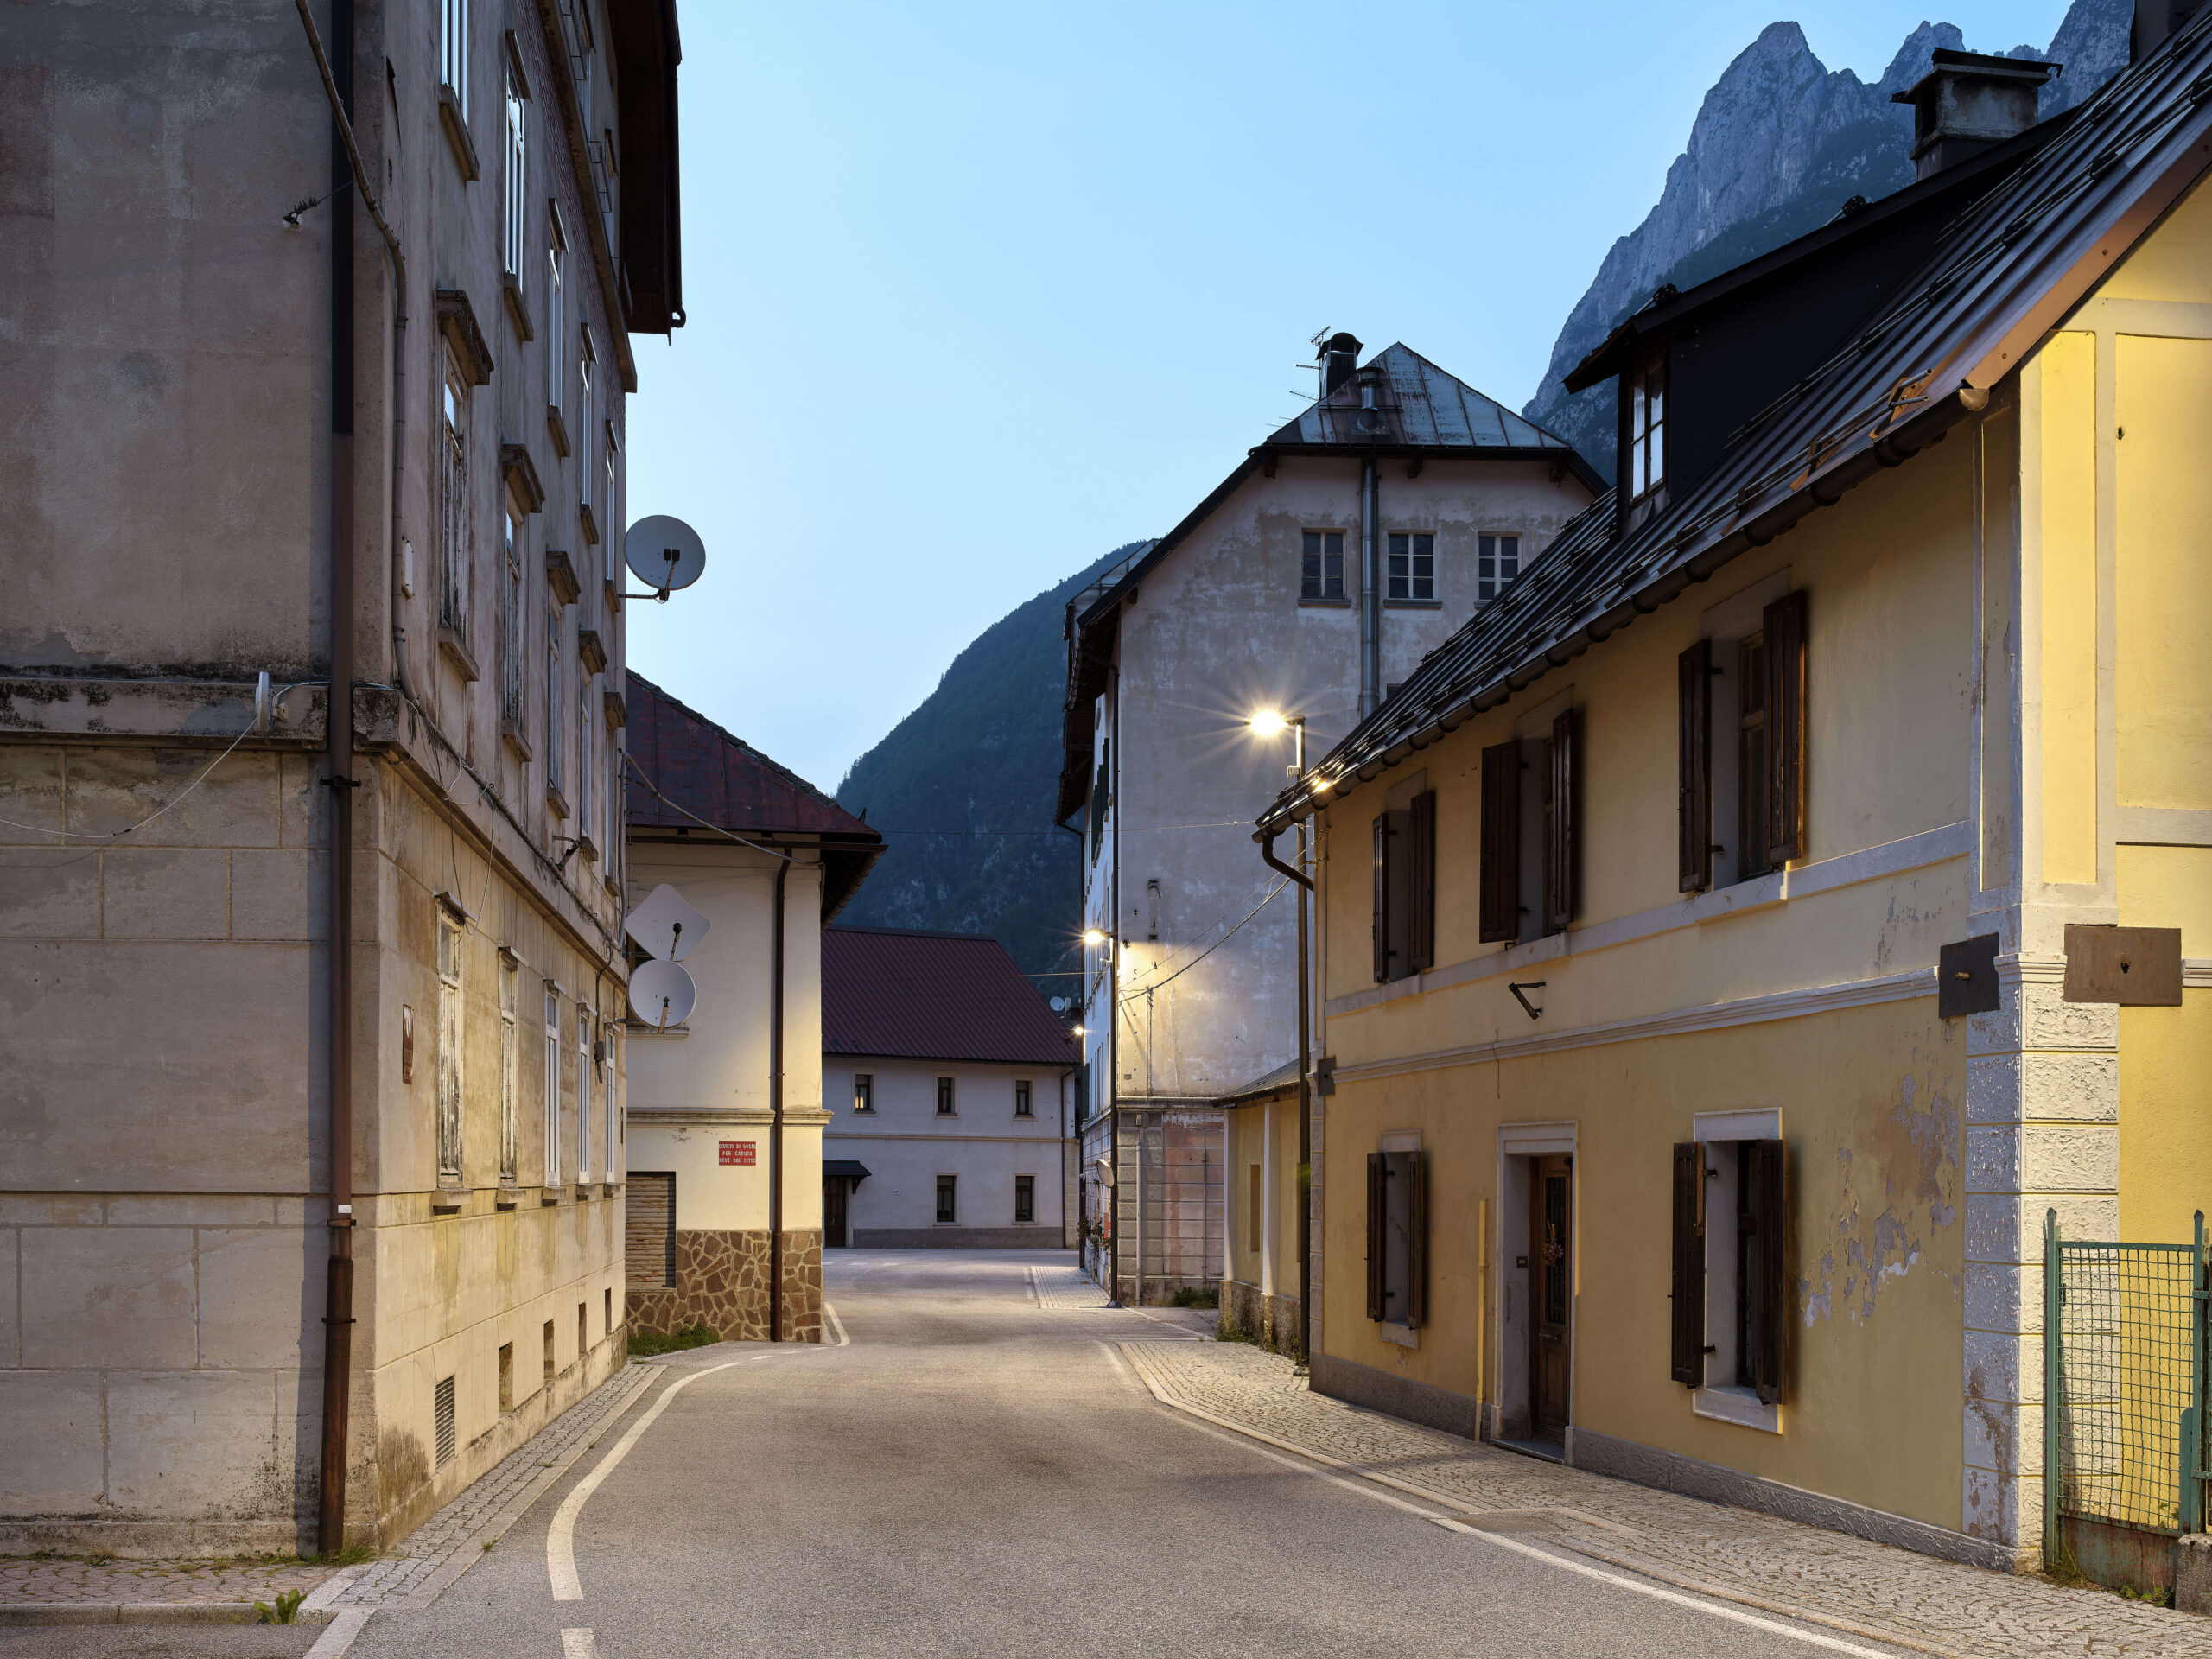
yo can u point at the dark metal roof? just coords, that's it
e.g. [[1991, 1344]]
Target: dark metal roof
[[688, 773], [2009, 270], [892, 994], [850, 1169], [1418, 411]]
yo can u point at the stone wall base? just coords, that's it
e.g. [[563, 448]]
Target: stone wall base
[[721, 1281], [1400, 1396], [1032, 1237], [1271, 1321]]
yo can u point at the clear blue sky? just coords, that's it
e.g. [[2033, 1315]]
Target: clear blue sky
[[979, 291]]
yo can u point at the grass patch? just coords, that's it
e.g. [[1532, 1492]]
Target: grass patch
[[287, 1610], [653, 1342]]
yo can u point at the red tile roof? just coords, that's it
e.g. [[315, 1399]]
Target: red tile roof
[[890, 994]]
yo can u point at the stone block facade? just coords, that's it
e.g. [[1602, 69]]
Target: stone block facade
[[1270, 1321], [721, 1281]]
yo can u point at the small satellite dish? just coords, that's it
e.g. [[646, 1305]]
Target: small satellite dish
[[662, 994], [1060, 1005], [667, 925], [664, 553]]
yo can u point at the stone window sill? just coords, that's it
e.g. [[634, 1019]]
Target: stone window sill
[[456, 126], [1325, 604], [518, 309], [557, 801], [1413, 604], [1738, 1405], [455, 651], [557, 430], [517, 743]]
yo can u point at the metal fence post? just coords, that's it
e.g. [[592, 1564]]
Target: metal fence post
[[2054, 1295], [2190, 1516]]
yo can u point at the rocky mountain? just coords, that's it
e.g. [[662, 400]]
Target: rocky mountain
[[1779, 145], [963, 790]]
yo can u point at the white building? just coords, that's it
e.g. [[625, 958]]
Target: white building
[[950, 1086], [1318, 575]]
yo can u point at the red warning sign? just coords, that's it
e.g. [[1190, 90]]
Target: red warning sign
[[737, 1151]]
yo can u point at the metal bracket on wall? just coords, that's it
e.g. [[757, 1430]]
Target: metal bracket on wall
[[1527, 1007]]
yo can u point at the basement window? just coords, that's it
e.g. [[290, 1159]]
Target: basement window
[[1412, 566], [1024, 1197], [442, 1411]]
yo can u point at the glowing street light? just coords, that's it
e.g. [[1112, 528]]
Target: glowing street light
[[1268, 722], [1092, 936]]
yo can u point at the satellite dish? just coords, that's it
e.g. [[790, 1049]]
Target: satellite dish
[[662, 994], [667, 925], [1060, 1005], [664, 553]]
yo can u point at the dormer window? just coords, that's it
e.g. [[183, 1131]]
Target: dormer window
[[1647, 441]]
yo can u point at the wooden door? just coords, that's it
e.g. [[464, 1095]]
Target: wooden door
[[835, 1189], [1551, 1293]]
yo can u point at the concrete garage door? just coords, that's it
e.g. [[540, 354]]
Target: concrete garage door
[[649, 1229]]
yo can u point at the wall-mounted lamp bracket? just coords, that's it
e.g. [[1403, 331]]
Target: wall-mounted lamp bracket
[[1527, 1007]]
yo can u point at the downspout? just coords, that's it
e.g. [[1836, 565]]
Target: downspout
[[1370, 598], [1267, 841], [1114, 1011], [1072, 1118], [776, 1111]]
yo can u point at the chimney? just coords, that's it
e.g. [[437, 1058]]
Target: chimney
[[1338, 357], [1968, 102], [2154, 21]]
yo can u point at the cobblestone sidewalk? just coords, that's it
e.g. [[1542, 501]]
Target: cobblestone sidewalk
[[1872, 1591], [1066, 1288], [432, 1556]]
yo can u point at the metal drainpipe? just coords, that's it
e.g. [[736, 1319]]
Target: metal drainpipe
[[1266, 840], [1370, 602], [338, 1308], [776, 1111]]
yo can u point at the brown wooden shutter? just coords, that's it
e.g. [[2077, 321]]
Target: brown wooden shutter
[[1693, 679], [1416, 1239], [1382, 896], [649, 1229], [1769, 1284], [1377, 1186], [1421, 883], [1501, 838], [1785, 728], [1690, 1264], [1562, 832]]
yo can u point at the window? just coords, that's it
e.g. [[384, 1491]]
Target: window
[[552, 1084], [1751, 757], [608, 452], [553, 696], [452, 53], [557, 319], [944, 1097], [609, 1037], [1412, 566], [1742, 803], [549, 1350], [947, 1208], [585, 825], [517, 204], [450, 1072], [1497, 562], [511, 622], [442, 1416], [1531, 839], [584, 362], [1397, 1238], [1100, 799], [1647, 431], [864, 1092], [506, 1377], [457, 554], [510, 1060], [583, 1092], [1255, 1210], [1405, 884], [583, 1331], [1729, 1294], [1321, 574], [1021, 1100], [1024, 1197]]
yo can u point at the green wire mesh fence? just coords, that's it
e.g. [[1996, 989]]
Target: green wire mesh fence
[[2124, 1379]]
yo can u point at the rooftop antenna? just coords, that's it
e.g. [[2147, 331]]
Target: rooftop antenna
[[664, 554], [1321, 364]]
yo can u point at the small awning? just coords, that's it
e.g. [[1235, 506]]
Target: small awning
[[850, 1168]]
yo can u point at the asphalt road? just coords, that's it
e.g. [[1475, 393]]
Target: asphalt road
[[976, 1475]]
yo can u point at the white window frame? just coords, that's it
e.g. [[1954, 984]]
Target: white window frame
[[1491, 577], [552, 1084], [453, 50], [510, 1064], [515, 218], [586, 358], [1647, 431], [586, 821], [1716, 1134], [610, 1035], [1414, 556], [456, 540], [583, 1092], [511, 587], [452, 1076], [557, 310], [553, 696], [1321, 595]]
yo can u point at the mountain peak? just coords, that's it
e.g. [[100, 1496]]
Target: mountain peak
[[1916, 55]]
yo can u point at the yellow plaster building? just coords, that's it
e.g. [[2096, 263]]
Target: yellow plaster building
[[1648, 1142]]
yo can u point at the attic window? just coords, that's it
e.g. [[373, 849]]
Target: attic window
[[1647, 427]]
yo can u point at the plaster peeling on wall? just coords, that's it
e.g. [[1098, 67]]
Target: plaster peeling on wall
[[1915, 1158]]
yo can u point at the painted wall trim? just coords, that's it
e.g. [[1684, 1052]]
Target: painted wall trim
[[1849, 870], [2164, 826], [1711, 1016]]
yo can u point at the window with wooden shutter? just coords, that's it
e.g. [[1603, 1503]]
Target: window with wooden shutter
[[1690, 1264], [1377, 1190], [1765, 1265], [1382, 896], [1421, 883], [1784, 631], [1694, 681], [1501, 843], [1416, 1167], [1562, 834]]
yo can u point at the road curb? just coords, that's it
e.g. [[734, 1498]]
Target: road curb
[[142, 1612]]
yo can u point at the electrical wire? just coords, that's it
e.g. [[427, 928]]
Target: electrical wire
[[644, 777], [1146, 990]]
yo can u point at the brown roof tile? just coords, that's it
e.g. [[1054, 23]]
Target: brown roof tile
[[890, 994]]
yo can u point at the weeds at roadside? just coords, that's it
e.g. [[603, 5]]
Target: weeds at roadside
[[654, 1342], [1196, 1296], [287, 1610]]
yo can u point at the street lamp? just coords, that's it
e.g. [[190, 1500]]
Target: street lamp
[[1270, 722], [1092, 936], [1273, 722]]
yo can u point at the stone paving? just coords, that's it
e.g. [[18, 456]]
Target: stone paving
[[76, 1580], [1872, 1591], [1066, 1288]]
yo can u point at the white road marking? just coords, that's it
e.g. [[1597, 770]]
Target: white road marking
[[1122, 1365], [578, 1644], [561, 1537], [1299, 1462], [338, 1637], [1036, 1290], [838, 1326]]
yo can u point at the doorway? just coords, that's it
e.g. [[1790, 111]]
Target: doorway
[[835, 1191], [1551, 1295]]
